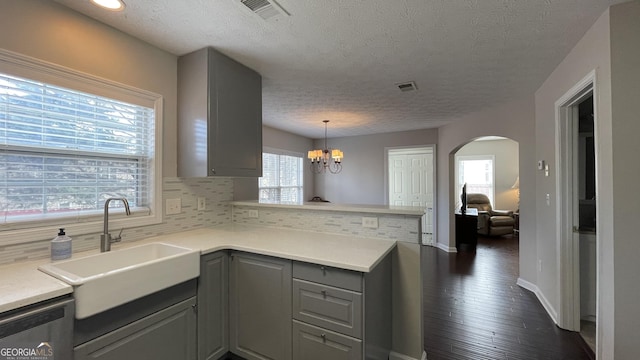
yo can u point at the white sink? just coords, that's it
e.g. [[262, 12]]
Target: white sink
[[106, 280]]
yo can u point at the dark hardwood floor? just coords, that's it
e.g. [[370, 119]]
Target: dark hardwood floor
[[473, 308]]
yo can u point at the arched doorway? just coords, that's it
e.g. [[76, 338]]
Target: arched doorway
[[488, 166]]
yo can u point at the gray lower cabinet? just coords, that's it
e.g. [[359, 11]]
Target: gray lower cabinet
[[168, 334], [213, 315], [341, 314], [260, 307]]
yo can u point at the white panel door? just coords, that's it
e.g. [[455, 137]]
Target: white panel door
[[420, 191], [398, 194], [411, 183]]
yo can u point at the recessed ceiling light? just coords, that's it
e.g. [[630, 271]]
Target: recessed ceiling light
[[114, 5]]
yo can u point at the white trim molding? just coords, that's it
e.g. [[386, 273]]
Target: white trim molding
[[446, 248], [25, 66], [543, 300], [567, 246]]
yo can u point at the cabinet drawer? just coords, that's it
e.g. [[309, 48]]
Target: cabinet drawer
[[329, 307], [346, 279], [313, 343]]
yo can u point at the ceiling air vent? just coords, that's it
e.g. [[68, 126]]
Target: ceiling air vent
[[266, 9], [407, 86]]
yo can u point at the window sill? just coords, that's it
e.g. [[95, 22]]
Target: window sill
[[89, 225]]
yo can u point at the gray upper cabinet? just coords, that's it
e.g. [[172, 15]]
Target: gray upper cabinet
[[260, 307], [213, 318], [219, 116]]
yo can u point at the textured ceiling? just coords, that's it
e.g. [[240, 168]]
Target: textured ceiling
[[340, 59]]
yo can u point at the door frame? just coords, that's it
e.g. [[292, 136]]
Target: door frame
[[568, 248], [418, 149]]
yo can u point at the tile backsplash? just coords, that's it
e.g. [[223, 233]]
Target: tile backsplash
[[390, 226], [217, 192]]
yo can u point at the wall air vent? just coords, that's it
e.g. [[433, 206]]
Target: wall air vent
[[266, 9], [407, 86]]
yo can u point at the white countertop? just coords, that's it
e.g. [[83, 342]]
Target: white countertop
[[23, 284], [326, 206]]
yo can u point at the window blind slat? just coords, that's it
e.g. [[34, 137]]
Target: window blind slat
[[65, 150], [281, 180], [55, 117]]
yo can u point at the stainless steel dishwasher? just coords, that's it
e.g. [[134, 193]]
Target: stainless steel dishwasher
[[40, 331]]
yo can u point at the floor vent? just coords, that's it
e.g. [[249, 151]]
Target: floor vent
[[407, 86], [266, 9]]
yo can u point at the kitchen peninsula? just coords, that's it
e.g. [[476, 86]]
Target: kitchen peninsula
[[352, 254], [400, 224]]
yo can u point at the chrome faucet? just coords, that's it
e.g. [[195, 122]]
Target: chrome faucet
[[105, 238]]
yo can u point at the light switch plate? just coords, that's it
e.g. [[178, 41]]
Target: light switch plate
[[173, 206], [202, 203], [253, 214]]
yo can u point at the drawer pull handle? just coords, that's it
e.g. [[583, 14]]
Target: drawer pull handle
[[324, 270], [324, 293], [324, 337]]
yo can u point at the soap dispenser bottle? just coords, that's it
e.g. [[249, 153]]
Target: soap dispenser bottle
[[61, 246]]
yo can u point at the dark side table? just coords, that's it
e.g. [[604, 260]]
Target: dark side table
[[467, 230]]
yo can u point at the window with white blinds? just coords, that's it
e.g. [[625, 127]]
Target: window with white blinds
[[477, 171], [64, 152], [281, 180]]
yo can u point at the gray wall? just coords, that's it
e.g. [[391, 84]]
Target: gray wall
[[362, 180], [591, 52], [506, 154], [610, 47], [625, 127], [51, 32], [514, 120]]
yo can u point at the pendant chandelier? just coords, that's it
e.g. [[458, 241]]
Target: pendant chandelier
[[325, 159]]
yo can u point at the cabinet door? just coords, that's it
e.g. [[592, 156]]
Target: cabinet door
[[235, 119], [314, 343], [213, 316], [260, 307], [166, 335], [219, 116]]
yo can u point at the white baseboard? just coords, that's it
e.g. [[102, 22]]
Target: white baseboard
[[446, 248], [543, 300], [397, 356]]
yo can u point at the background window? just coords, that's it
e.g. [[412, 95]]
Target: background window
[[477, 172], [281, 180], [64, 152]]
